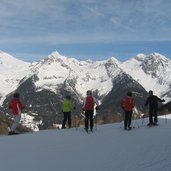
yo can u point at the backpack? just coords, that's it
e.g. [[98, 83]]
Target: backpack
[[127, 103], [89, 104]]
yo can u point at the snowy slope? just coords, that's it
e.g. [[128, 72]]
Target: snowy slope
[[12, 71], [152, 71], [107, 149]]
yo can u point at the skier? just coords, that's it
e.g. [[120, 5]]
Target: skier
[[127, 105], [16, 107], [67, 107], [152, 101], [88, 106]]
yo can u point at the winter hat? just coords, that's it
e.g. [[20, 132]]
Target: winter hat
[[89, 92], [68, 97], [16, 95], [150, 92], [129, 94]]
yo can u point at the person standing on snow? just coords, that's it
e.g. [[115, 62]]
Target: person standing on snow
[[127, 105], [88, 106], [67, 107], [152, 101], [16, 107]]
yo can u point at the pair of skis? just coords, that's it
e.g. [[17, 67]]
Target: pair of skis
[[13, 133]]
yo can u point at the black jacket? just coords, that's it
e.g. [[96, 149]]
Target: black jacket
[[153, 101]]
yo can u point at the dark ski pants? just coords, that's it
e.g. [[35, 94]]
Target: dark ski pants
[[89, 121], [127, 119], [67, 116], [153, 113]]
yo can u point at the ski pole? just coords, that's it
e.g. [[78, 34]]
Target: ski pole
[[53, 107], [95, 123], [75, 117], [142, 116], [77, 122], [121, 118], [165, 119]]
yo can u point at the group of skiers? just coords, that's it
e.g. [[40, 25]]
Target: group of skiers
[[128, 104], [89, 104]]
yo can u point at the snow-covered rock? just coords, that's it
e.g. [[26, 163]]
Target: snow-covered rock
[[152, 71], [12, 71]]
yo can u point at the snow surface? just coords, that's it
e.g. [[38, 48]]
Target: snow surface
[[107, 149]]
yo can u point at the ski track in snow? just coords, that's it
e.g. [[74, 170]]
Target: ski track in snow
[[107, 149]]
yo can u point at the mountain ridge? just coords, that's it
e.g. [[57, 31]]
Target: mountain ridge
[[50, 79], [152, 71]]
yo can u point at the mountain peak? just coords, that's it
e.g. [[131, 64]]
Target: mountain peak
[[114, 60], [152, 71], [155, 62], [156, 56], [55, 54], [53, 57], [140, 57], [8, 60]]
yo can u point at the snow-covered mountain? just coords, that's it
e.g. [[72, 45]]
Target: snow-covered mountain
[[152, 71], [84, 75], [12, 71], [44, 84]]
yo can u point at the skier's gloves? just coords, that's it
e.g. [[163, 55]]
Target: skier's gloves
[[163, 100], [97, 108]]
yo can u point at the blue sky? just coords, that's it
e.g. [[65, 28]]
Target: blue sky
[[83, 29]]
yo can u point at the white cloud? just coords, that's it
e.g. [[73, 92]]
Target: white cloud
[[55, 22], [31, 18]]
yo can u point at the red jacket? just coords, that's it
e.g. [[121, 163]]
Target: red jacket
[[89, 102], [128, 103], [16, 106]]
